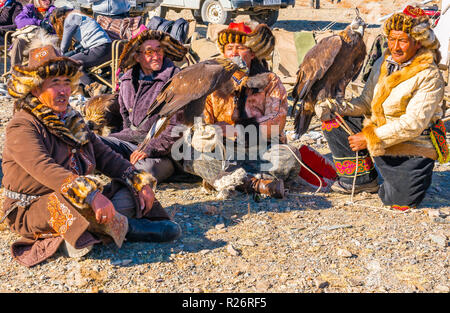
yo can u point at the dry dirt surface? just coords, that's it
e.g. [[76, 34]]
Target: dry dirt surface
[[305, 243]]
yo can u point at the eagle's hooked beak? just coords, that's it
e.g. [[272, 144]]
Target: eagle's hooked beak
[[241, 63]]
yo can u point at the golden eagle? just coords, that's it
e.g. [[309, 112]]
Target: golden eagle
[[327, 69], [188, 90]]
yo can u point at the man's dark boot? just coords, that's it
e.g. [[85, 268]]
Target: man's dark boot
[[152, 231], [272, 188]]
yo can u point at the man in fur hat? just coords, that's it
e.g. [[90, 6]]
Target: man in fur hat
[[147, 61], [52, 197], [261, 107], [402, 130]]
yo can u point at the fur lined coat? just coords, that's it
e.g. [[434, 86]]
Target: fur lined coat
[[266, 104], [55, 159], [400, 106], [135, 97]]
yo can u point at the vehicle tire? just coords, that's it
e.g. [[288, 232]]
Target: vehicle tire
[[197, 14], [213, 12], [159, 11], [268, 17]]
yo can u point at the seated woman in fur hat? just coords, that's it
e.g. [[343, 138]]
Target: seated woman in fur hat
[[52, 197], [147, 62], [260, 106], [402, 131]]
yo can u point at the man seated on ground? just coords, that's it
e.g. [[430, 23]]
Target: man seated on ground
[[89, 42], [402, 104], [147, 63], [33, 14], [261, 107], [52, 197]]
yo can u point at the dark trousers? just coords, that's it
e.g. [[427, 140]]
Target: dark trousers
[[405, 179], [93, 57], [160, 168]]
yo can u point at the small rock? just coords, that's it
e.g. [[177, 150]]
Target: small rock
[[356, 281], [344, 253], [441, 220], [440, 240], [126, 261], [247, 242], [263, 286], [322, 284], [220, 226], [198, 290], [442, 288], [432, 213], [159, 280], [394, 240], [231, 250], [335, 227]]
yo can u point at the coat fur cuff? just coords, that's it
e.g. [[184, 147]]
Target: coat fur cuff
[[374, 144], [79, 189], [138, 179]]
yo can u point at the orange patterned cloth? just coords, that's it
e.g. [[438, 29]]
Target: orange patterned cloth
[[268, 106], [60, 216]]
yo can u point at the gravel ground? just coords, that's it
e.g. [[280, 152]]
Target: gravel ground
[[303, 243]]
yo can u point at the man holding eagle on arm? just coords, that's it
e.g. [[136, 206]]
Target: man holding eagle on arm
[[395, 122]]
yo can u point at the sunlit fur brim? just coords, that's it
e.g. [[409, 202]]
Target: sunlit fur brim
[[261, 40], [24, 78], [418, 28]]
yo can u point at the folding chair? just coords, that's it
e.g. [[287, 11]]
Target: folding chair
[[5, 54], [113, 64]]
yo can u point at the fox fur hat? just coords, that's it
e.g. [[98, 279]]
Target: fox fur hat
[[260, 39], [416, 24], [45, 60], [173, 49]]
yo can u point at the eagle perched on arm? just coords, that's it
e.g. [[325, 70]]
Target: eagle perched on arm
[[327, 69], [188, 89]]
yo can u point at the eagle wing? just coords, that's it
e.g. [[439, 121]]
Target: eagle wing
[[315, 64], [190, 86]]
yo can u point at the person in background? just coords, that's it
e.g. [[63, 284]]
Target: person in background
[[9, 9], [111, 8], [89, 42], [37, 14]]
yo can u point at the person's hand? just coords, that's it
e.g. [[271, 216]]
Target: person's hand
[[137, 156], [103, 208], [357, 142], [146, 199]]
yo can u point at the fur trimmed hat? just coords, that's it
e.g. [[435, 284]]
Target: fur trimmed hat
[[44, 61], [413, 22], [173, 49], [260, 40]]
